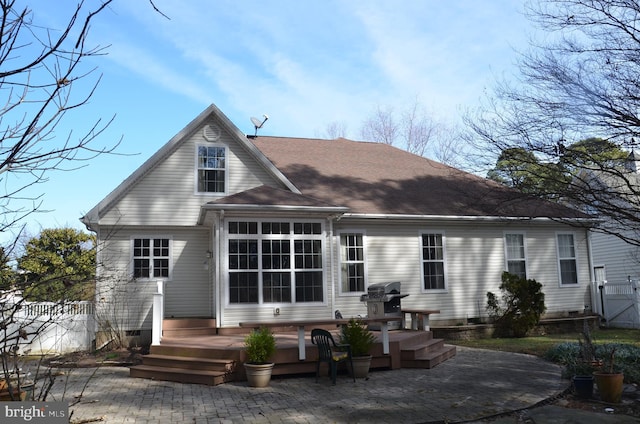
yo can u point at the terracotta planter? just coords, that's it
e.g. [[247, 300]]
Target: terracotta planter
[[258, 375], [361, 366], [609, 386]]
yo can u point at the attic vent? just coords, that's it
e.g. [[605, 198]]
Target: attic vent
[[211, 132]]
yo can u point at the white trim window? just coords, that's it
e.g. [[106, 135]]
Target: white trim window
[[353, 270], [515, 252], [211, 174], [433, 261], [275, 262], [567, 259], [151, 258]]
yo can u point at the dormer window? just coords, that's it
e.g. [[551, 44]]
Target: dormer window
[[212, 169]]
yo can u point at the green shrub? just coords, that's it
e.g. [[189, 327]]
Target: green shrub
[[357, 335], [518, 309], [260, 345]]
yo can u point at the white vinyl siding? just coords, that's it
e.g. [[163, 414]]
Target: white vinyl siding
[[515, 251], [620, 258], [128, 303], [166, 194], [475, 261]]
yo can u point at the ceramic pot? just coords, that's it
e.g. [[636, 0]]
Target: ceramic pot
[[258, 375], [361, 366]]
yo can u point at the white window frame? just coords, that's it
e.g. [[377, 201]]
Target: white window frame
[[560, 259], [225, 169], [508, 259], [292, 237], [442, 234], [151, 238], [344, 261]]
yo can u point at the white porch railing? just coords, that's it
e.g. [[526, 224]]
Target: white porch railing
[[158, 314]]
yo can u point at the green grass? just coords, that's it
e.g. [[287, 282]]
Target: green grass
[[539, 345]]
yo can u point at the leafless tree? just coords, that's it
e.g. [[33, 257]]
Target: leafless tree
[[413, 130], [44, 77], [336, 129], [39, 69], [579, 81], [381, 126]]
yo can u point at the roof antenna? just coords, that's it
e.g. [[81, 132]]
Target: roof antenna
[[257, 124]]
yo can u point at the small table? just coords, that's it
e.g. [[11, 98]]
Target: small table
[[419, 318]]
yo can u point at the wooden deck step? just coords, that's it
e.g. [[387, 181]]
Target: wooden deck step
[[181, 375], [419, 349], [186, 362], [189, 327], [426, 354], [430, 359]]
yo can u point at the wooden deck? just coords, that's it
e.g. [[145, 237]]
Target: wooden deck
[[188, 356]]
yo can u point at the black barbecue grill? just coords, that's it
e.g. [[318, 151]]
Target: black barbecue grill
[[383, 300]]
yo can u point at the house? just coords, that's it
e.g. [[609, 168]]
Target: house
[[235, 228], [616, 259]]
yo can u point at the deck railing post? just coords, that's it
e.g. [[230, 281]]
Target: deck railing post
[[158, 314]]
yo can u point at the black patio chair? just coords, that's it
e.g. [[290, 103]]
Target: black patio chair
[[330, 352]]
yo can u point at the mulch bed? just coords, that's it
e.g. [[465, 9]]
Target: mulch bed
[[120, 358]]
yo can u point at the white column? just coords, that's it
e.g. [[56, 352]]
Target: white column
[[158, 314]]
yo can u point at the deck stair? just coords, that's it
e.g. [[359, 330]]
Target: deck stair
[[186, 364], [423, 351]]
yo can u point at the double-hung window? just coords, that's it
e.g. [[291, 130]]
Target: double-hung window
[[567, 260], [275, 262], [515, 254], [212, 169], [433, 261], [151, 258], [352, 262]]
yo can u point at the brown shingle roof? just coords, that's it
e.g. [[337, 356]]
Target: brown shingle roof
[[264, 196], [375, 178]]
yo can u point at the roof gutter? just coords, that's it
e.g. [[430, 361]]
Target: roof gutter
[[465, 218], [335, 211]]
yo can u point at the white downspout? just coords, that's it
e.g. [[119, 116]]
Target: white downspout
[[332, 267], [218, 233]]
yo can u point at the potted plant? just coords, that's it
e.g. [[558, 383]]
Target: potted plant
[[609, 380], [260, 345], [356, 334], [583, 367]]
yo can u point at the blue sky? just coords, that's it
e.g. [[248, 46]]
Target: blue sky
[[303, 63]]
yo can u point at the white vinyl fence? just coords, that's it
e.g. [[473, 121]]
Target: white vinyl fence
[[53, 328], [620, 303]]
